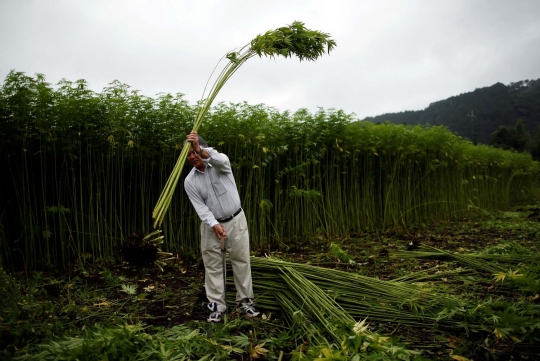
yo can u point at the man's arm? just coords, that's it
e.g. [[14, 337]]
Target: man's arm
[[202, 209], [218, 160], [198, 203]]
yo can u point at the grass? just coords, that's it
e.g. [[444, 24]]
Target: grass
[[47, 315]]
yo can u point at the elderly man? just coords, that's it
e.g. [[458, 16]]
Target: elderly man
[[212, 190]]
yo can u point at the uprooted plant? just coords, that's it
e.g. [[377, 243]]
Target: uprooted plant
[[142, 249]]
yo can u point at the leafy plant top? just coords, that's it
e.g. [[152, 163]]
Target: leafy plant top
[[291, 40]]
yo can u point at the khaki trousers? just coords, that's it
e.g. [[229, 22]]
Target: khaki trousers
[[237, 245]]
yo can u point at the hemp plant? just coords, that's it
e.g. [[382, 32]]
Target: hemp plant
[[286, 41]]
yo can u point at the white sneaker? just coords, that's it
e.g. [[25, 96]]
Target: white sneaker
[[215, 316], [247, 307]]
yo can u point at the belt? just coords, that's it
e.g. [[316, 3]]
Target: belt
[[227, 219]]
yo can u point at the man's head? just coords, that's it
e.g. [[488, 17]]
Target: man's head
[[193, 158]]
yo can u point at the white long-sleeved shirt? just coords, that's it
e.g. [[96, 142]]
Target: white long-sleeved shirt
[[213, 192]]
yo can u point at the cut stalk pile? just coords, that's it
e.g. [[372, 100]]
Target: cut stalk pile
[[316, 312], [286, 41], [484, 262], [324, 303], [359, 296]]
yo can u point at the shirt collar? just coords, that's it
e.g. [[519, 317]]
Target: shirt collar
[[206, 164]]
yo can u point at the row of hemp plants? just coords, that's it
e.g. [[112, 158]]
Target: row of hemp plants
[[82, 170]]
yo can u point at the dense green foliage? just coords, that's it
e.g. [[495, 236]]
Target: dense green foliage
[[479, 113], [82, 170]]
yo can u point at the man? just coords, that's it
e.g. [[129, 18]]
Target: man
[[212, 190]]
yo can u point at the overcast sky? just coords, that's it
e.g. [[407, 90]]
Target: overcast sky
[[391, 55]]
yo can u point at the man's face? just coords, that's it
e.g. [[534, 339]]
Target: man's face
[[194, 159]]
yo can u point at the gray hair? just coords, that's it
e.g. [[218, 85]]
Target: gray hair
[[202, 142]]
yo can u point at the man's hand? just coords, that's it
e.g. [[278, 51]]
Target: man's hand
[[220, 231], [193, 138]]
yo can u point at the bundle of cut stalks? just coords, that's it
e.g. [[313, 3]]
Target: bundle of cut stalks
[[322, 304], [484, 262], [358, 296], [316, 314]]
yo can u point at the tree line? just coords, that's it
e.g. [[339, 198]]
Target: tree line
[[505, 116]]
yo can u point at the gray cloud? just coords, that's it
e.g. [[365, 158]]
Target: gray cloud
[[391, 55]]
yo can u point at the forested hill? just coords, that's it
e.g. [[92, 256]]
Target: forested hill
[[481, 111]]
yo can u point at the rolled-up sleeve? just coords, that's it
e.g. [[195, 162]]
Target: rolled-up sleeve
[[219, 161]]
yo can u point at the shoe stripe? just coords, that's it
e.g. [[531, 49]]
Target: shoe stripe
[[214, 317]]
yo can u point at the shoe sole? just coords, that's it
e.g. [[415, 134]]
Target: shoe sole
[[223, 314], [247, 314]]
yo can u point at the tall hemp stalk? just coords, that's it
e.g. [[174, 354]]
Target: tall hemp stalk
[[286, 41]]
